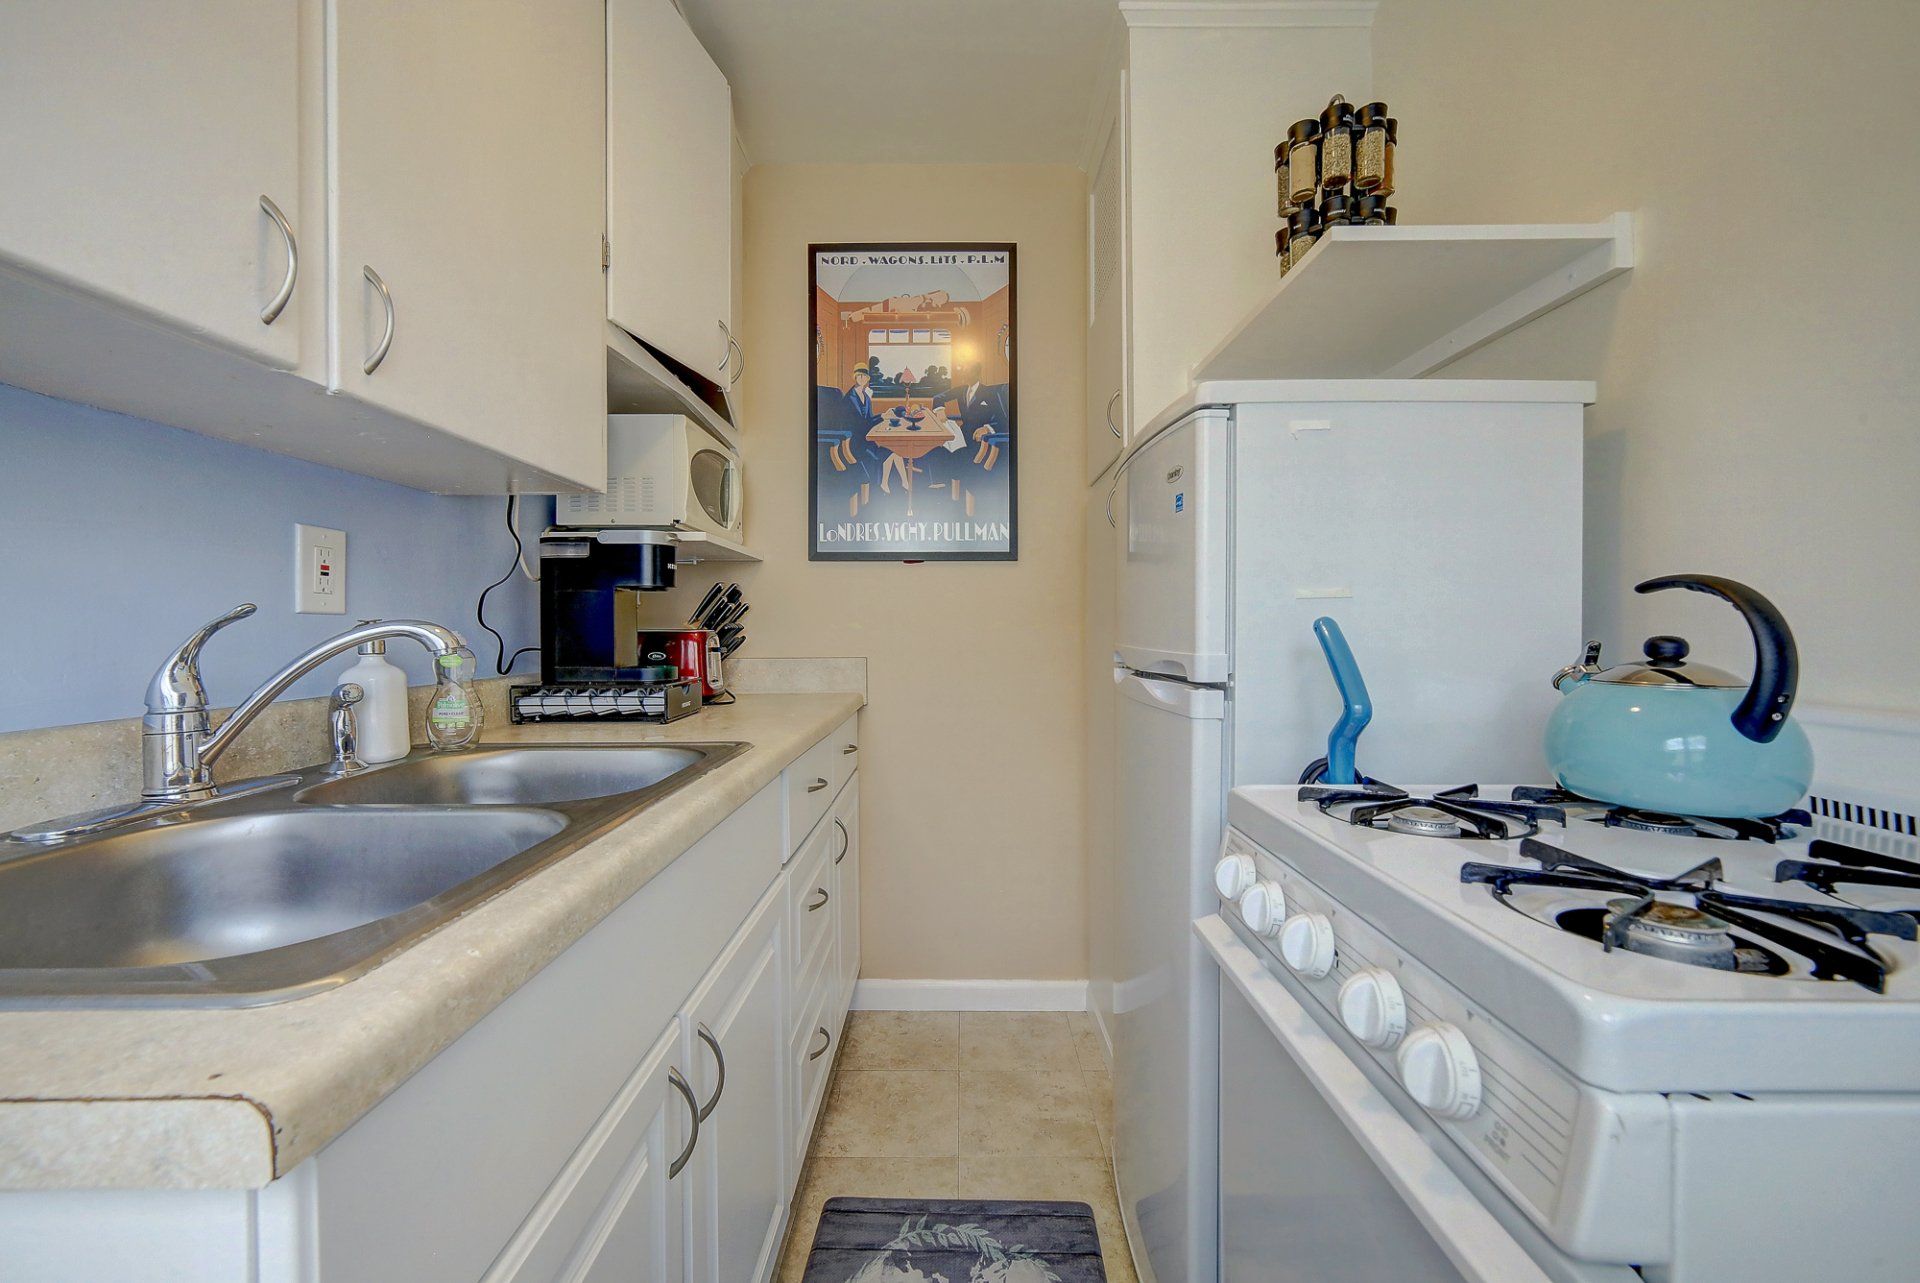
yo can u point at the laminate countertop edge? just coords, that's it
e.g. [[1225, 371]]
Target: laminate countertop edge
[[177, 1098]]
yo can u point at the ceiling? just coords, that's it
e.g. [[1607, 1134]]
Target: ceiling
[[936, 81]]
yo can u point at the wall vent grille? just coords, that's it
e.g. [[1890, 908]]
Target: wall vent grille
[[1872, 817]]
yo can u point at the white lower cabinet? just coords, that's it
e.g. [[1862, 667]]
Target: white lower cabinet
[[732, 1035], [846, 880]]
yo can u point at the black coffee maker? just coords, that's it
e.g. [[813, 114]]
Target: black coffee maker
[[590, 581]]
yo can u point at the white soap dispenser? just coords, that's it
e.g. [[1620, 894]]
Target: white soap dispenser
[[382, 714]]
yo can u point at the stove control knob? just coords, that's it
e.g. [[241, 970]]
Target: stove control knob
[[1233, 875], [1373, 1009], [1441, 1071], [1306, 942], [1263, 907]]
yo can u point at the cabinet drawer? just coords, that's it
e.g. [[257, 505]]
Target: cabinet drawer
[[815, 1044], [810, 900], [810, 789], [845, 742]]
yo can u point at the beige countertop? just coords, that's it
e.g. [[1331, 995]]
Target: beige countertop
[[201, 1099]]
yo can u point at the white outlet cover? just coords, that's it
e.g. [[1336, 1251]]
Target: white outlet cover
[[319, 570]]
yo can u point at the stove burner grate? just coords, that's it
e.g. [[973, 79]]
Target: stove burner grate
[[1724, 828], [1634, 917], [1450, 813]]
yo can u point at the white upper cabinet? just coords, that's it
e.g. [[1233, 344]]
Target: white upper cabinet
[[669, 189], [140, 141], [466, 169], [1107, 336]]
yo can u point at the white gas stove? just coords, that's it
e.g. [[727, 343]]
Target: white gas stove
[[1660, 1054]]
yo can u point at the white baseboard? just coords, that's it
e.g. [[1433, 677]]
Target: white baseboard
[[970, 995]]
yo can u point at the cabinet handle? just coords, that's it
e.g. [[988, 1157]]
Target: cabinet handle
[[720, 1062], [693, 1115], [379, 352], [826, 1041], [1111, 425], [846, 841], [740, 366], [849, 750], [271, 312], [821, 903], [817, 785]]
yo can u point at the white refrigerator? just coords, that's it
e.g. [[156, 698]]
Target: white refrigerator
[[1439, 522]]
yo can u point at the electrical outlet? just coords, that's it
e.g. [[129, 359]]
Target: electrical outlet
[[319, 570]]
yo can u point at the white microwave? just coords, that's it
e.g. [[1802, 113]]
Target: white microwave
[[663, 470]]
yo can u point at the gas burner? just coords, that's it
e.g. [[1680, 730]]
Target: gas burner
[[1689, 920], [1451, 813], [1677, 932], [1725, 828]]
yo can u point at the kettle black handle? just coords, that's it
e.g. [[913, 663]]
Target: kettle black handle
[[1776, 662]]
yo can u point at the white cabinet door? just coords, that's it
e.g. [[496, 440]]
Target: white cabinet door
[[734, 1042], [1107, 409], [638, 1234], [467, 160], [138, 142], [846, 873], [669, 187]]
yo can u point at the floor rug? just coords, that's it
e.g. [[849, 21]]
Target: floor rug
[[917, 1240]]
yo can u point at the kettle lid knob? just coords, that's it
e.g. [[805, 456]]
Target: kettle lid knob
[[1666, 651]]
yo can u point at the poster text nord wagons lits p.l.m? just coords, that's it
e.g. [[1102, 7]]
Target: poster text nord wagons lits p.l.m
[[912, 430]]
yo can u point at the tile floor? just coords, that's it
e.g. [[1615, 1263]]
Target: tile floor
[[970, 1104]]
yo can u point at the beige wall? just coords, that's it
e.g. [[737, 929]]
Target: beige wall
[[1757, 369], [971, 769], [1206, 107]]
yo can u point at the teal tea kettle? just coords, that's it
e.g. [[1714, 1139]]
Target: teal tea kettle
[[1684, 738]]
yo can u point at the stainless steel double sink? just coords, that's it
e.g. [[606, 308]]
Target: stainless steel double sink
[[288, 891]]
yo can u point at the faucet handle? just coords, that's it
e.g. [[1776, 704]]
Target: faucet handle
[[345, 726], [176, 686]]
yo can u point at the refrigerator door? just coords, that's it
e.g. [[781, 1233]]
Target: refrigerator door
[[1171, 742], [1171, 505]]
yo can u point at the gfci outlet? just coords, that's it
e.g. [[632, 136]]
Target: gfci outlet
[[319, 570]]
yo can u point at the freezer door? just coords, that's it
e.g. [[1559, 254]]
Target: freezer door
[[1170, 745], [1171, 505]]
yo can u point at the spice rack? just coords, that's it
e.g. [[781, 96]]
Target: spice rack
[[1399, 302]]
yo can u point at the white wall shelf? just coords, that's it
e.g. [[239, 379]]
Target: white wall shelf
[[1400, 302], [638, 382]]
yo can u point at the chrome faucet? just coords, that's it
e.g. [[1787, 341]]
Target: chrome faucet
[[178, 747]]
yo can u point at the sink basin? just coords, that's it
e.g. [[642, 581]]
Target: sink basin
[[282, 892], [217, 888], [509, 776]]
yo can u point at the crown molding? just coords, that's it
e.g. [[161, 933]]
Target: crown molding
[[1146, 14]]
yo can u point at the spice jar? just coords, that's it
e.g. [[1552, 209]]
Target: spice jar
[[1303, 165], [1369, 209], [1335, 208], [1393, 140], [1336, 144], [1280, 247], [1303, 229], [1370, 147], [1287, 203]]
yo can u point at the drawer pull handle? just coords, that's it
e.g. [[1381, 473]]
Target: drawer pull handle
[[1111, 425], [817, 785], [826, 1041], [271, 312], [849, 750], [846, 841], [693, 1114], [821, 903], [720, 1064]]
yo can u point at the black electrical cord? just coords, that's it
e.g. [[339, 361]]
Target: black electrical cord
[[501, 663]]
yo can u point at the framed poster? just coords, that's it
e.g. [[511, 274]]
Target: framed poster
[[912, 432]]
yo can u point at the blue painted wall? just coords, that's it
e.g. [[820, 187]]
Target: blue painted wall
[[118, 537]]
